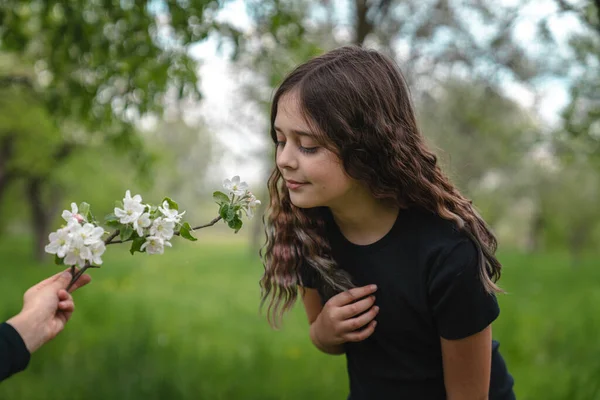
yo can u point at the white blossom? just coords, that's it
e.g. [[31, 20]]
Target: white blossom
[[59, 242], [253, 204], [73, 215], [132, 208], [77, 244], [235, 186], [170, 215], [78, 253], [89, 233], [162, 228], [142, 222], [155, 245], [96, 250]]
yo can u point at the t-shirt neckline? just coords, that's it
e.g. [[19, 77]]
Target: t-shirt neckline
[[362, 248]]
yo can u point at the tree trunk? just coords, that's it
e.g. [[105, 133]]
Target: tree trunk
[[4, 181], [363, 26], [6, 151], [598, 15], [536, 230], [43, 209]]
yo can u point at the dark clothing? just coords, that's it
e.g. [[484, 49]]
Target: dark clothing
[[428, 287], [14, 356]]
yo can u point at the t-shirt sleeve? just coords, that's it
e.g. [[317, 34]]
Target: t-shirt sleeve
[[14, 355], [460, 304], [308, 276]]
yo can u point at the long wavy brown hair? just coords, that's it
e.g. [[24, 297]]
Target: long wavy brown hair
[[358, 104]]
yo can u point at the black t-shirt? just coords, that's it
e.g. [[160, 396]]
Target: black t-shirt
[[14, 356], [426, 272]]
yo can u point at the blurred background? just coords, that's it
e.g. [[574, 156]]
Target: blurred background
[[171, 97]]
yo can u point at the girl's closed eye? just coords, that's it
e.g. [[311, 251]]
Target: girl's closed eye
[[309, 150], [303, 149]]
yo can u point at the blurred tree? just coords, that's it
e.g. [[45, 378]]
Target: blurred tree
[[185, 150], [581, 118], [483, 135], [93, 69], [572, 201]]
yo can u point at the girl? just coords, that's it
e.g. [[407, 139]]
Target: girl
[[395, 267]]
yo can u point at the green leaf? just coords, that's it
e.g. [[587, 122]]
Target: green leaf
[[126, 232], [172, 205], [230, 215], [111, 218], [235, 224], [92, 218], [223, 211], [58, 260], [154, 213], [220, 197], [84, 210], [186, 232], [136, 245]]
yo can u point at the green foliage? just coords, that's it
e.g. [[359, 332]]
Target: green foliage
[[220, 197], [106, 58], [34, 136], [84, 210], [136, 245], [186, 232], [58, 260], [172, 205], [230, 210], [125, 232]]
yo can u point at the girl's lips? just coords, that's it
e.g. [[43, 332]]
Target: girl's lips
[[294, 185]]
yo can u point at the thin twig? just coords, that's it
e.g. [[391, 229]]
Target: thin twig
[[111, 237], [78, 274], [211, 223]]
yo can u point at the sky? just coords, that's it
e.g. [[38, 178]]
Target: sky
[[242, 130]]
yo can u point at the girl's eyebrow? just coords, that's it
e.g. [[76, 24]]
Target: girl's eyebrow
[[296, 132]]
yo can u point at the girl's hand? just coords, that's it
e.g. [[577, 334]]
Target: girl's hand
[[344, 317]]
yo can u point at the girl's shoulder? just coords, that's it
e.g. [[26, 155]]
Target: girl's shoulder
[[435, 237], [431, 226]]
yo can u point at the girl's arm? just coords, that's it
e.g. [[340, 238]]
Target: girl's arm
[[313, 307], [467, 366]]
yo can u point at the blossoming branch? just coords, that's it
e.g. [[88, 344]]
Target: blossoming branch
[[149, 228]]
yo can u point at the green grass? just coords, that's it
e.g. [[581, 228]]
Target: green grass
[[187, 326]]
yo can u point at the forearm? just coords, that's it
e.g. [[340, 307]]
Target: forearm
[[30, 330], [329, 349]]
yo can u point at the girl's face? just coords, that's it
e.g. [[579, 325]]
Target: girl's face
[[313, 175]]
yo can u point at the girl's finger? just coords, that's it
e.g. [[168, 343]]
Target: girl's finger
[[354, 324], [361, 335], [353, 309]]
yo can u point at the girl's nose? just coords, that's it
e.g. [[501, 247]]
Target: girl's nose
[[286, 157]]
